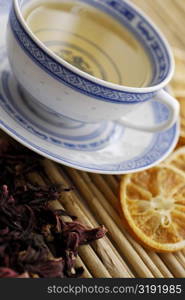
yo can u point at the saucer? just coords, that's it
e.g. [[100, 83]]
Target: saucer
[[129, 151]]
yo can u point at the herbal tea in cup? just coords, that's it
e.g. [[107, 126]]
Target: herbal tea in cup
[[90, 40]]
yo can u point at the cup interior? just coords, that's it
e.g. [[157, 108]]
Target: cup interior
[[141, 29]]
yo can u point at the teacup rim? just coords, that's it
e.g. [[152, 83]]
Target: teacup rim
[[99, 81]]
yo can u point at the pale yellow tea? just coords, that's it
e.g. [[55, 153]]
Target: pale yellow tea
[[90, 40]]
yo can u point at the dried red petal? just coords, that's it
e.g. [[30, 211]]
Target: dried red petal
[[34, 241], [48, 269], [7, 273]]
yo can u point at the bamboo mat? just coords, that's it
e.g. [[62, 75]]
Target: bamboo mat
[[94, 200]]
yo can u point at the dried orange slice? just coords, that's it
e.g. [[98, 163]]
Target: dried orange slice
[[153, 207]]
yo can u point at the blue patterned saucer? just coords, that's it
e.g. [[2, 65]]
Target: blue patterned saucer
[[131, 151]]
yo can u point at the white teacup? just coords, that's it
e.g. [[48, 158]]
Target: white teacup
[[73, 99]]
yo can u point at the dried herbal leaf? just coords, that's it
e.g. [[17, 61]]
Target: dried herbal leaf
[[34, 240]]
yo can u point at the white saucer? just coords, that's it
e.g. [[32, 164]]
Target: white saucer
[[128, 152]]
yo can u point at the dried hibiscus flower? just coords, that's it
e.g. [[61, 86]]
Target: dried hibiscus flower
[[35, 241]]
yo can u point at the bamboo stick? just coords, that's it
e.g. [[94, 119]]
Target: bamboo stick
[[180, 5], [105, 189], [173, 264], [102, 247], [160, 264], [90, 258], [92, 261], [180, 257], [110, 179], [79, 263]]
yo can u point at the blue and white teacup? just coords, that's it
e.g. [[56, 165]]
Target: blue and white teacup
[[65, 95]]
